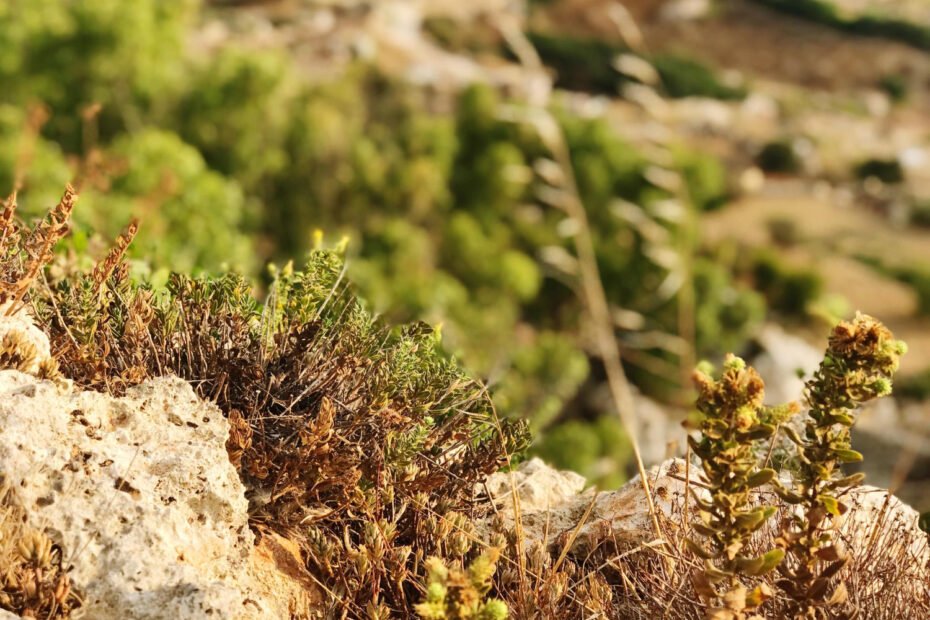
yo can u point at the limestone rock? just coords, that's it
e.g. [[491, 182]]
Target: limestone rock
[[685, 10], [549, 514], [141, 496], [550, 501]]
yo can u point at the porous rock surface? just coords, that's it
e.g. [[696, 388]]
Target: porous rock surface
[[553, 504], [141, 496]]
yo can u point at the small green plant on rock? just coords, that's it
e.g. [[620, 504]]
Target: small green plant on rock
[[731, 418], [861, 358], [734, 527]]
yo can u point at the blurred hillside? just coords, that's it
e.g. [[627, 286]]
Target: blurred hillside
[[739, 162]]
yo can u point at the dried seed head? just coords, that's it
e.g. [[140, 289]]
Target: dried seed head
[[36, 549]]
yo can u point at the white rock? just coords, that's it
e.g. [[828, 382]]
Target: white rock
[[539, 486], [752, 180], [685, 10], [784, 356], [550, 501], [552, 507], [140, 494]]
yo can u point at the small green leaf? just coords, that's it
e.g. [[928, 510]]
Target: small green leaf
[[847, 482], [766, 562], [750, 520], [763, 476], [832, 505], [840, 418], [788, 496], [760, 431], [714, 574], [848, 456], [793, 435]]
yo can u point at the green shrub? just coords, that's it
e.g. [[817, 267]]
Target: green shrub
[[725, 310], [128, 57], [192, 217], [896, 86], [579, 63], [587, 64], [166, 185], [446, 215], [788, 290], [706, 179], [918, 277], [779, 157], [914, 387], [47, 169], [783, 230], [685, 77], [333, 415], [920, 213], [885, 170], [218, 113], [826, 13]]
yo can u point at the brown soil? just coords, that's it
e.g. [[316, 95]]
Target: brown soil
[[752, 39]]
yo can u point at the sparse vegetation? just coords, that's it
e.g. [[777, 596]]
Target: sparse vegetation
[[896, 86], [731, 420], [332, 413]]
